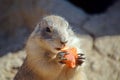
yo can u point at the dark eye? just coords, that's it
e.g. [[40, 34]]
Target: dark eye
[[48, 29]]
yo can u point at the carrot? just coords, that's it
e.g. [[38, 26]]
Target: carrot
[[70, 57]]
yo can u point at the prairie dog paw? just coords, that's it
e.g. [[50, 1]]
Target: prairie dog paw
[[81, 58], [60, 57]]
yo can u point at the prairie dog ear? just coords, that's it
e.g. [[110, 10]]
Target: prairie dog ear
[[40, 25], [43, 23], [36, 30], [66, 23]]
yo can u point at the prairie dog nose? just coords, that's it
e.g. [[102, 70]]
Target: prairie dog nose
[[63, 41]]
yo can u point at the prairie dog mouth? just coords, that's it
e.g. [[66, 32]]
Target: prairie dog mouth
[[58, 49]]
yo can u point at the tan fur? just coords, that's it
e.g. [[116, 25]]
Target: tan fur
[[41, 62]]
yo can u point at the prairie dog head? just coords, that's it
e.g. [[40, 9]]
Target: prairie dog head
[[53, 32]]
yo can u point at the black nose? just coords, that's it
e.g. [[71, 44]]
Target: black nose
[[63, 42]]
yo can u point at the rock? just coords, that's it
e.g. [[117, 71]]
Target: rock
[[109, 46], [100, 68], [86, 43], [103, 61], [10, 64], [106, 23]]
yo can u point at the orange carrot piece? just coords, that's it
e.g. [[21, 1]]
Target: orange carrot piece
[[71, 56]]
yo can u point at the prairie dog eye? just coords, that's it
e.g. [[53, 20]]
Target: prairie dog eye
[[48, 29]]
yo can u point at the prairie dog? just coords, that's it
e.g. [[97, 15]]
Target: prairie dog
[[42, 63]]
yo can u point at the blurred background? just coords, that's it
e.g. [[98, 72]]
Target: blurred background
[[96, 21]]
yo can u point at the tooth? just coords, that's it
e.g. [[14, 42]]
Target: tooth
[[81, 54]]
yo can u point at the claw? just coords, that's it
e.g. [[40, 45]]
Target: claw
[[61, 57], [81, 58], [62, 53], [79, 62]]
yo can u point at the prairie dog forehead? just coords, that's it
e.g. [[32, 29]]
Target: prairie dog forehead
[[56, 22]]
